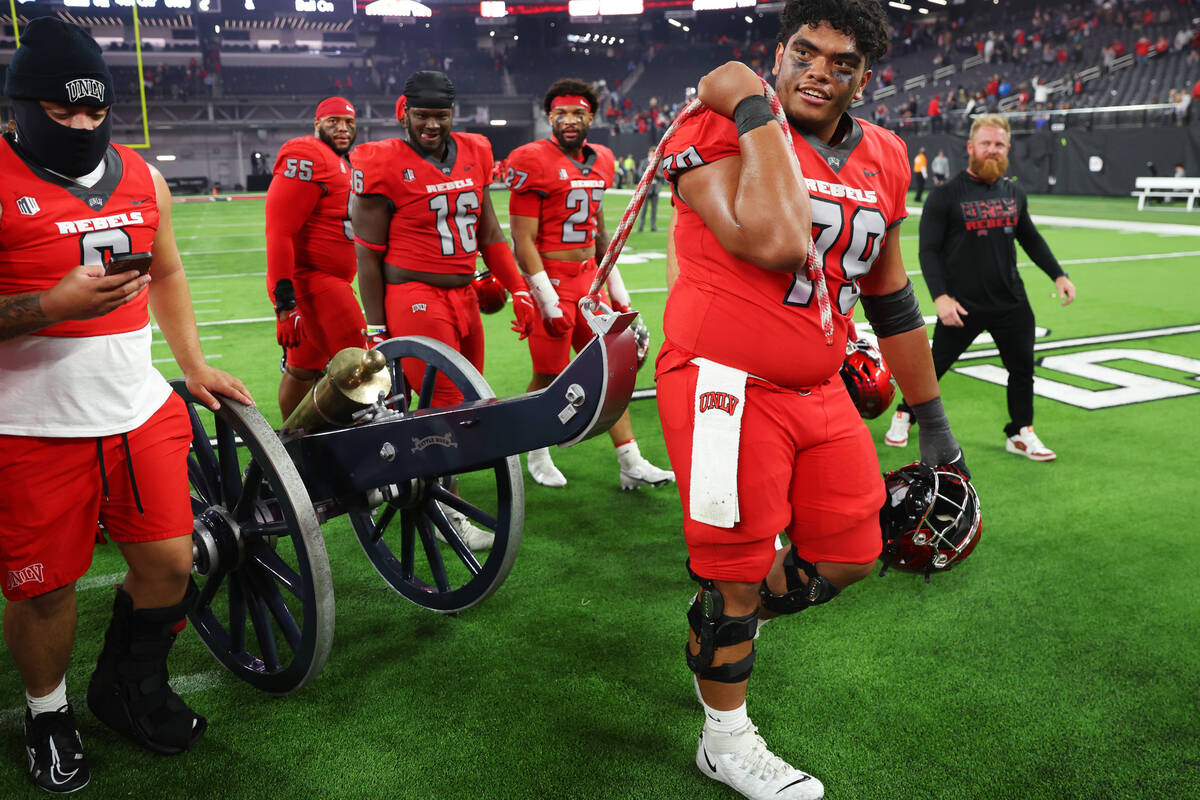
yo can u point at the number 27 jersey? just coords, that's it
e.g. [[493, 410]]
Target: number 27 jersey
[[562, 193]]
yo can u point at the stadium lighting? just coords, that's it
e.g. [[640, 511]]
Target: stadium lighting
[[498, 123], [675, 22], [721, 5], [938, 2], [601, 8], [397, 8], [493, 9], [899, 5], [923, 10], [164, 158], [749, 20]]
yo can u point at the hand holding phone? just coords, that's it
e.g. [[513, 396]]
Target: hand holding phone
[[124, 262]]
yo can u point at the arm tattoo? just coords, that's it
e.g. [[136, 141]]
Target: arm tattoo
[[21, 314]]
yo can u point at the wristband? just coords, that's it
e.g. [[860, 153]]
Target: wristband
[[617, 291], [376, 330], [752, 112], [378, 248], [937, 442], [285, 295], [895, 313], [543, 291]]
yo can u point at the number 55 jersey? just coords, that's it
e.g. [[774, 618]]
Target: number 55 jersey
[[437, 204], [768, 323]]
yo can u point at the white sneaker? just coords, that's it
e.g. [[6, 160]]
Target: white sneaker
[[542, 469], [742, 761], [1026, 443], [897, 434], [643, 473], [473, 537]]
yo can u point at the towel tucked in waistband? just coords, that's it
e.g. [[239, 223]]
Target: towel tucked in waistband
[[716, 432]]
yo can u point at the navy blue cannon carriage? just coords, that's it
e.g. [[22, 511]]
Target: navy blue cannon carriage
[[379, 453]]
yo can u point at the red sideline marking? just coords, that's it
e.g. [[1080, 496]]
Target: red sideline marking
[[215, 198]]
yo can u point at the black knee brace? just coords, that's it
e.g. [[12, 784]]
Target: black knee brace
[[714, 629], [799, 595]]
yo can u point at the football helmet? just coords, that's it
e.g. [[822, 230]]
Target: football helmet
[[641, 335], [867, 378], [930, 519], [490, 291]]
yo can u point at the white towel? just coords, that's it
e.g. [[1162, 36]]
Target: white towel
[[720, 396]]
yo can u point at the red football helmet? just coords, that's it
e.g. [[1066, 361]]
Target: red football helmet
[[490, 291], [930, 519], [867, 378]]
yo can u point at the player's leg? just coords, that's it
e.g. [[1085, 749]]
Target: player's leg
[[418, 309], [550, 356], [729, 565], [295, 383], [129, 690]]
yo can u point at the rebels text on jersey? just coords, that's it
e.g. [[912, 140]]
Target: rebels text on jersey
[[49, 225], [437, 204], [562, 193], [308, 211], [724, 309]]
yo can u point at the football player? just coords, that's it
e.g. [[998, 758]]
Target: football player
[[422, 214], [310, 251], [759, 427], [557, 186], [89, 430]]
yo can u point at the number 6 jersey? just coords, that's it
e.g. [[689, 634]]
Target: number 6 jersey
[[765, 322], [437, 204], [562, 193]]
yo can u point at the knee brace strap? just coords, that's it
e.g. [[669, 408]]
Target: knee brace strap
[[799, 595], [714, 629]]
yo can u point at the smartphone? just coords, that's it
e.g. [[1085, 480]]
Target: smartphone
[[129, 261]]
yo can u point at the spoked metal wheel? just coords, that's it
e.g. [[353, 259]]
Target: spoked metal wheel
[[400, 537], [266, 594]]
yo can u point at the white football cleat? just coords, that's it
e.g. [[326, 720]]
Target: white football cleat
[[1026, 443], [543, 471], [742, 761], [897, 434], [473, 537], [643, 473]]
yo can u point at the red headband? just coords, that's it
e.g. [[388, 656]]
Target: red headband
[[570, 100], [335, 107]]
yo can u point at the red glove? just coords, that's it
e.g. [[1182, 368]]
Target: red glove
[[289, 330], [554, 318], [526, 314]]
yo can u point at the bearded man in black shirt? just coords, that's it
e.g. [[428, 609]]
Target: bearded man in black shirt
[[969, 227]]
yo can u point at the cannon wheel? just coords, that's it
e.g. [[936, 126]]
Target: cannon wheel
[[399, 536], [265, 608]]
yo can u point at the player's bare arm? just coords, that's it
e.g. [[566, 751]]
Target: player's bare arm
[[602, 237], [371, 214], [524, 234], [490, 231], [672, 258], [907, 353], [171, 302], [756, 204]]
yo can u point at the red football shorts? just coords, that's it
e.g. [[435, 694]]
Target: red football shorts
[[52, 497], [806, 466], [332, 319], [571, 279], [448, 315]]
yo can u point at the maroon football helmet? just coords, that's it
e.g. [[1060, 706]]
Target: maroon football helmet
[[930, 519], [490, 291], [867, 378]]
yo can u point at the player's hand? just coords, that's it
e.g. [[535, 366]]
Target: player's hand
[[1066, 289], [86, 293], [726, 86], [958, 465], [204, 382], [555, 321], [950, 311], [526, 314], [289, 328], [621, 308]]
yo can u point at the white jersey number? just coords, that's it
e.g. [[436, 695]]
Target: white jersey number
[[857, 251]]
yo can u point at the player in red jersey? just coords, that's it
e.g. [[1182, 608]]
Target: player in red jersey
[[89, 431], [422, 214], [557, 187], [310, 251], [759, 426]]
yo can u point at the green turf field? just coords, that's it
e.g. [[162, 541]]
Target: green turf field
[[1060, 661]]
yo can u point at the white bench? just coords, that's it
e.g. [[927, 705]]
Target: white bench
[[1169, 188]]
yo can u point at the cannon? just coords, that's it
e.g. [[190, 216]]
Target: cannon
[[384, 457]]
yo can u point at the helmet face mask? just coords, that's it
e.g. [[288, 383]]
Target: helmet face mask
[[867, 378], [930, 519]]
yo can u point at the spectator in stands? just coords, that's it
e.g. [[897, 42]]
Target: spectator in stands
[[940, 168], [1179, 172], [1141, 49], [880, 117], [629, 169], [650, 207], [1183, 104], [920, 170], [934, 112]]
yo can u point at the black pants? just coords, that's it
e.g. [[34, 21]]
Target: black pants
[[919, 182], [1013, 333], [650, 206]]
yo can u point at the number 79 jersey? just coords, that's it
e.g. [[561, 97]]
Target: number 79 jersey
[[436, 204], [562, 193], [724, 309]]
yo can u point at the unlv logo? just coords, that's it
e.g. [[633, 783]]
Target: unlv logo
[[718, 400], [85, 87], [17, 577]]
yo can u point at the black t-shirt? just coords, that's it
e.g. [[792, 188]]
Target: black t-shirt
[[969, 231]]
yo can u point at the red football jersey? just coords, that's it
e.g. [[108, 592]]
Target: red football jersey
[[437, 204], [564, 194], [308, 212], [49, 225], [727, 310]]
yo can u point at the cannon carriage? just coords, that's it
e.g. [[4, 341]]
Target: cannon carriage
[[375, 450]]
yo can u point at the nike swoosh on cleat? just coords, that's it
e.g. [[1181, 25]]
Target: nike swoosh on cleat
[[58, 777], [708, 761], [793, 783]]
